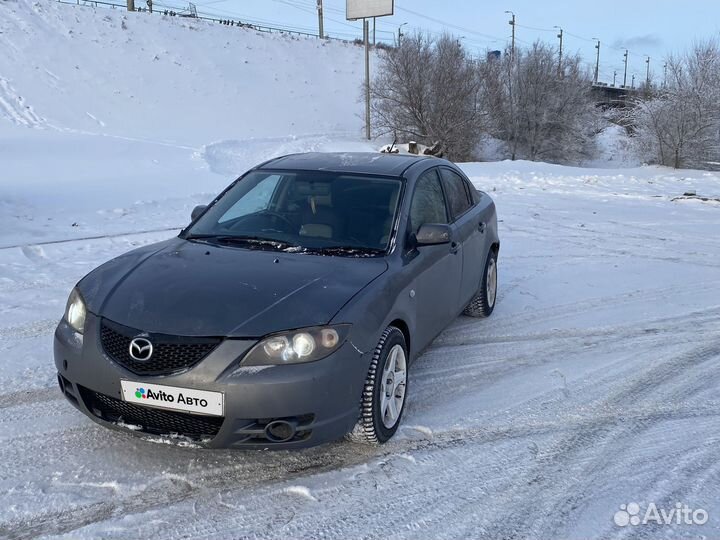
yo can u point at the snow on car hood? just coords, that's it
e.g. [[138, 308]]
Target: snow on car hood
[[195, 289]]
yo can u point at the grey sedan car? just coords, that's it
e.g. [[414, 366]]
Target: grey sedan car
[[289, 311]]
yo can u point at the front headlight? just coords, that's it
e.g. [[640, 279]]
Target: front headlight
[[75, 311], [297, 346]]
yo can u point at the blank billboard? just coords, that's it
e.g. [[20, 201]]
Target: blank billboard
[[365, 9]]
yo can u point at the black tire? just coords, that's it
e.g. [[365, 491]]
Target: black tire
[[370, 428], [482, 304]]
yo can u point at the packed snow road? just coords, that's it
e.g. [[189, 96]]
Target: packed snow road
[[593, 385]]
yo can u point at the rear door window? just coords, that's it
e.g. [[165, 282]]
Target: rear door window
[[457, 194], [428, 203]]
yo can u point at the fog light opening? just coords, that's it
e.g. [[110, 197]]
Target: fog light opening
[[280, 430], [65, 364]]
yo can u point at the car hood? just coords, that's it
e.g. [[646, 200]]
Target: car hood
[[196, 289]]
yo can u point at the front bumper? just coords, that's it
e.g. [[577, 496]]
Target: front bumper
[[320, 399]]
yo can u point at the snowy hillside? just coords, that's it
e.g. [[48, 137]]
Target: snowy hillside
[[107, 111], [104, 71], [593, 385]]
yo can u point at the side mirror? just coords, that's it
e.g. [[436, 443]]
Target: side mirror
[[431, 234], [199, 209]]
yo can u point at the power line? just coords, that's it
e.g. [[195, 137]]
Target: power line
[[448, 24], [535, 28]]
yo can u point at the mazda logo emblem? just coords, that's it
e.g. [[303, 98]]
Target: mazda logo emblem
[[140, 349]]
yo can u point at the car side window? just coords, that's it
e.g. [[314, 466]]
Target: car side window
[[474, 193], [428, 203], [457, 194]]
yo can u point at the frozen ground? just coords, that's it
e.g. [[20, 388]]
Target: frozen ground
[[593, 385]]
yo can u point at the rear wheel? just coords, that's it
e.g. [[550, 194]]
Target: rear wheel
[[383, 399], [483, 302]]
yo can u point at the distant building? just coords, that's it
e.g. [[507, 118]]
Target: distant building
[[493, 55]]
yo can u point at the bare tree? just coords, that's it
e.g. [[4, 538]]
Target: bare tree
[[427, 90], [680, 125], [539, 115]]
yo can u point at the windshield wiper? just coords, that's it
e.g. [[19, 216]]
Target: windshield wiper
[[241, 240], [353, 251]]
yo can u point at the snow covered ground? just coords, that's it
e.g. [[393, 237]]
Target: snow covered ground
[[593, 385]]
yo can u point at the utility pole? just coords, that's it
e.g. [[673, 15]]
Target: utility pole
[[149, 5], [632, 85], [131, 5], [512, 43], [625, 76], [647, 75], [400, 34], [665, 74], [597, 60], [366, 34], [374, 31], [560, 35], [321, 32], [614, 76]]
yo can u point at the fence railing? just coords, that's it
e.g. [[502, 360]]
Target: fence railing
[[228, 21]]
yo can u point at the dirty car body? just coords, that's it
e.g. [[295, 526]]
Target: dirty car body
[[257, 325]]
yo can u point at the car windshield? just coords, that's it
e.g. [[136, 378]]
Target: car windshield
[[305, 211]]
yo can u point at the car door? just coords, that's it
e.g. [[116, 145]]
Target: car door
[[438, 268], [468, 232]]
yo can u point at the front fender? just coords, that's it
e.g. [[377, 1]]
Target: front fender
[[383, 301]]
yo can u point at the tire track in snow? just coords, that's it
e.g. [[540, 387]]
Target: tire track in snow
[[615, 302], [86, 238], [449, 453], [29, 330], [603, 440], [608, 415], [35, 396], [263, 474]]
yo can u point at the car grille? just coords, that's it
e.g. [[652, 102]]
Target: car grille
[[150, 420], [171, 354]]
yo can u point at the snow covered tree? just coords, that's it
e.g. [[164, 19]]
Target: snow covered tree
[[540, 110], [680, 126], [427, 90]]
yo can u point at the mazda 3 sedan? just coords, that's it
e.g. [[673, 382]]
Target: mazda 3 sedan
[[289, 312]]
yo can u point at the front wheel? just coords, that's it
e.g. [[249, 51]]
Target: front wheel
[[383, 398], [483, 302]]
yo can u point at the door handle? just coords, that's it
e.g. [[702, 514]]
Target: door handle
[[481, 226], [454, 247]]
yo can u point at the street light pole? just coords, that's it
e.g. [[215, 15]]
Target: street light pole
[[597, 60], [647, 75], [400, 34], [321, 32], [560, 35], [625, 75], [512, 43]]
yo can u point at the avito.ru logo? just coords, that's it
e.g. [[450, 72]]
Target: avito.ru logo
[[681, 514], [142, 393]]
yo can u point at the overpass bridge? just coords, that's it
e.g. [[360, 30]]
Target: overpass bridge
[[612, 96]]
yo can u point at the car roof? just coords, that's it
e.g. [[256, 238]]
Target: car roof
[[346, 162]]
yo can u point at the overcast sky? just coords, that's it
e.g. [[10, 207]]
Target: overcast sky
[[645, 27]]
